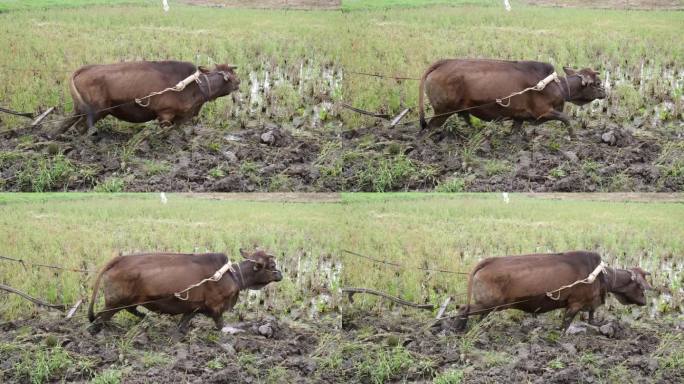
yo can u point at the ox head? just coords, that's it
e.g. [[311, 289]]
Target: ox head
[[261, 267], [629, 286], [584, 86], [222, 79]]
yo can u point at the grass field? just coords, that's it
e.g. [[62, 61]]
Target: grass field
[[638, 51], [429, 230]]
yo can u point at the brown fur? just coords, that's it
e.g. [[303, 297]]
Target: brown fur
[[521, 282], [95, 88], [150, 280], [453, 85]]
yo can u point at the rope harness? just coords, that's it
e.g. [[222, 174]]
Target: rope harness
[[215, 277], [588, 280], [539, 87], [176, 88]]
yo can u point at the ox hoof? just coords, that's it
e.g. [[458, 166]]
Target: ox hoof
[[94, 328]]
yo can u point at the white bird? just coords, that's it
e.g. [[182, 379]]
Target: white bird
[[506, 4], [162, 196], [165, 5], [505, 197]]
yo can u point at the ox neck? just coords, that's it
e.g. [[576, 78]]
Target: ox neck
[[242, 274], [209, 87], [617, 279], [565, 88]]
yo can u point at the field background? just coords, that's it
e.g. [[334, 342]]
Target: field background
[[374, 341], [437, 231], [638, 51], [297, 68]]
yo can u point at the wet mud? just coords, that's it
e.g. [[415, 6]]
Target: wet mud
[[263, 349], [271, 157], [515, 347]]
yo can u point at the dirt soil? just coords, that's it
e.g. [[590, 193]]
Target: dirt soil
[[290, 157], [270, 4], [514, 347], [268, 350]]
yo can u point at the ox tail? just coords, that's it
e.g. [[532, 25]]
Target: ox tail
[[469, 293], [80, 106], [79, 103], [96, 287], [421, 92]]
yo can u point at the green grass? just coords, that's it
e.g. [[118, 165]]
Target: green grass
[[39, 367], [45, 46]]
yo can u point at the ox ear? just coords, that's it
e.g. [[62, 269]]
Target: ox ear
[[639, 279], [203, 69], [569, 71]]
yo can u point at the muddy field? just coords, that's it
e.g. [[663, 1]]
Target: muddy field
[[269, 157], [514, 347], [265, 349], [361, 347]]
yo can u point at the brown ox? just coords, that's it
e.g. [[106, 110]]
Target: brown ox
[[453, 85], [101, 90], [522, 282], [152, 280]]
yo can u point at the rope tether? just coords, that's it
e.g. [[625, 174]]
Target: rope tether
[[215, 277], [538, 87], [588, 280], [176, 88]]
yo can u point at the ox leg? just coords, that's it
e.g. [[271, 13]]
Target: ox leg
[[218, 320], [570, 314], [438, 121], [134, 311], [462, 319], [466, 117], [591, 318], [517, 126], [165, 120], [101, 318], [560, 116], [184, 323]]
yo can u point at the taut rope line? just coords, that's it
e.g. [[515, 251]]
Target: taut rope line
[[176, 88], [588, 280], [215, 277]]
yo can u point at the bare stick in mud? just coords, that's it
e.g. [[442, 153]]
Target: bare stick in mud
[[60, 307], [73, 309], [398, 118], [443, 308], [42, 116], [351, 291]]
